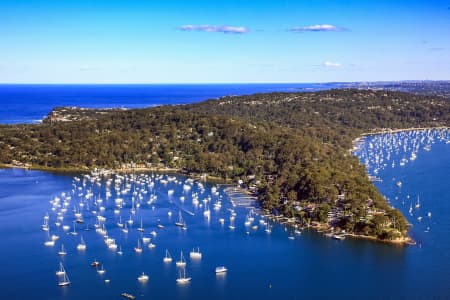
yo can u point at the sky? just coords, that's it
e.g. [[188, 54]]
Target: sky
[[234, 41]]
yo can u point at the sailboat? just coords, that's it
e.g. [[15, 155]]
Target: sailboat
[[143, 277], [138, 248], [120, 252], [82, 245], [45, 226], [231, 226], [182, 261], [95, 263], [133, 210], [125, 229], [130, 221], [418, 202], [196, 254], [141, 229], [151, 246], [167, 258], [182, 276], [180, 222], [101, 270], [62, 251], [120, 224], [49, 243], [61, 270], [63, 278], [74, 232], [221, 269], [146, 239], [160, 226]]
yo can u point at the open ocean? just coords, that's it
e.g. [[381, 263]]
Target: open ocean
[[24, 103], [261, 265]]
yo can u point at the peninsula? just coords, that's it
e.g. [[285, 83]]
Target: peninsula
[[290, 149]]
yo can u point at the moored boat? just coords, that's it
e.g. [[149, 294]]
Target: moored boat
[[195, 254], [143, 277], [168, 257], [182, 261], [221, 269], [182, 279]]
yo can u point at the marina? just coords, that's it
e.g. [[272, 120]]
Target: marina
[[234, 233]]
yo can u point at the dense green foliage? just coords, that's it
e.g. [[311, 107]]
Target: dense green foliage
[[291, 147], [336, 116]]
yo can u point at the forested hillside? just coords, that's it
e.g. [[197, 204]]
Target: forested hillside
[[291, 148]]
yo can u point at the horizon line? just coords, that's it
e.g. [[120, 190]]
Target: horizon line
[[206, 83]]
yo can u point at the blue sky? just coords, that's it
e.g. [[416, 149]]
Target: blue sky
[[223, 41]]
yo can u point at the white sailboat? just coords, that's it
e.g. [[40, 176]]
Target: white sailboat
[[82, 245], [151, 246], [182, 261], [168, 257], [61, 270], [180, 222], [231, 226], [221, 269], [146, 239], [49, 242], [74, 232], [101, 271], [160, 226], [182, 276], [138, 248], [120, 224], [62, 251], [195, 254], [141, 228], [130, 221], [143, 277], [125, 229], [45, 226], [418, 202], [63, 279]]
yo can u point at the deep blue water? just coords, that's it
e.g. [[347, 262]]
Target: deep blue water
[[31, 103], [261, 265]]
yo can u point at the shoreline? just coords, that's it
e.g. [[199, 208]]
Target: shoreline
[[407, 240], [390, 130], [317, 227], [324, 228], [399, 242], [166, 170]]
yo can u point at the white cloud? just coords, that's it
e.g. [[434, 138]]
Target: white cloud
[[332, 64], [215, 28], [316, 28]]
